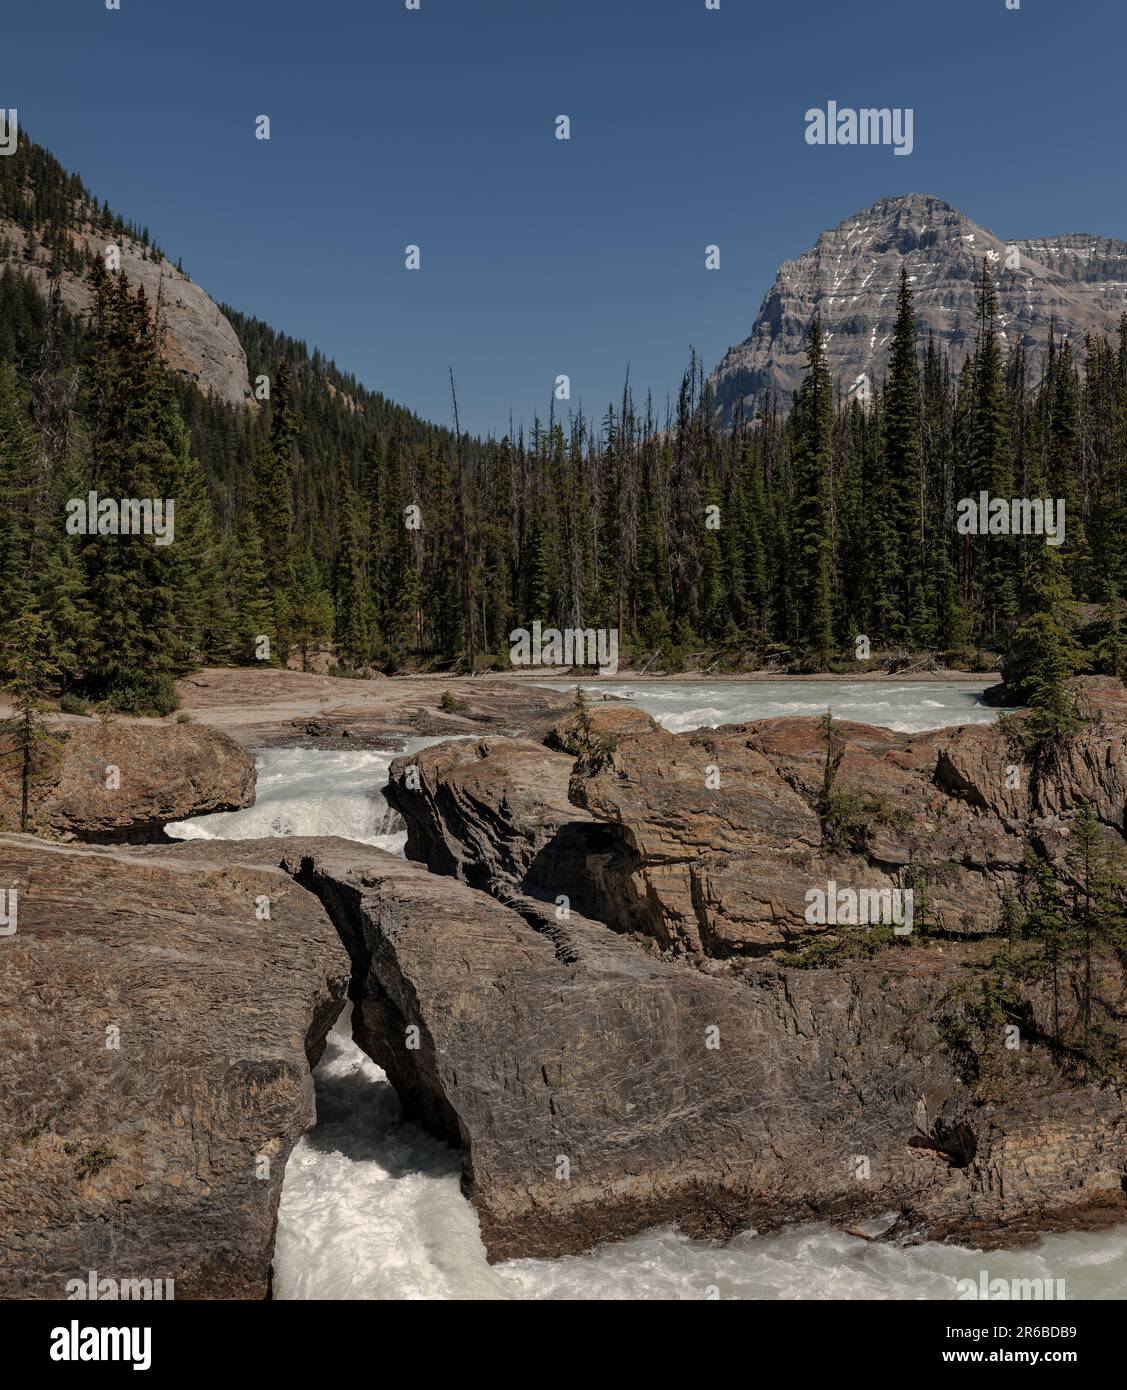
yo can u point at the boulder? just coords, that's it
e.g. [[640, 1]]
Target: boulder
[[482, 809], [158, 1034], [124, 782], [496, 812]]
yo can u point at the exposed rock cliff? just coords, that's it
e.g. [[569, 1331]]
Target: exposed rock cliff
[[160, 1033], [850, 276], [160, 1028], [702, 1080], [709, 841], [199, 342]]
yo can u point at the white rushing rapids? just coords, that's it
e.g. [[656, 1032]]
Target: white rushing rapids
[[307, 792], [907, 707], [371, 1206]]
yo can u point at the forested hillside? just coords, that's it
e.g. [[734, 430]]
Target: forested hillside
[[325, 513], [47, 204]]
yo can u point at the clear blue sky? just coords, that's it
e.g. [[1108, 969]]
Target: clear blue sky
[[543, 257]]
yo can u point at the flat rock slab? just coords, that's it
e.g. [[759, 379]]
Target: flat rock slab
[[267, 707], [158, 1040]]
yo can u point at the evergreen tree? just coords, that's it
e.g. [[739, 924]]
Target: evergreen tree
[[712, 588], [537, 597], [813, 429], [309, 609], [1049, 925], [273, 477], [906, 615], [28, 656], [16, 469], [350, 586], [132, 650], [243, 614], [1110, 650], [991, 470], [1042, 659], [835, 521]]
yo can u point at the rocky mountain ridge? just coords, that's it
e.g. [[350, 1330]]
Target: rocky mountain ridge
[[1073, 284]]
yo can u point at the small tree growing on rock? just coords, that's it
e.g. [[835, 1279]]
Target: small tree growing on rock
[[582, 740], [32, 669], [1048, 923]]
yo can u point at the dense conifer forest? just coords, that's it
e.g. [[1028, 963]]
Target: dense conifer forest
[[328, 515]]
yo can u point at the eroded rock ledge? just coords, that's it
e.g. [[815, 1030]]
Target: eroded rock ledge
[[707, 842], [811, 1068], [596, 1090]]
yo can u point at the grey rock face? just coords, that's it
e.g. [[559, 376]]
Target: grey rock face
[[199, 342], [1076, 283]]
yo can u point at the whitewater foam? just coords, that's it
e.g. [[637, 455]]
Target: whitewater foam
[[306, 792], [907, 708]]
